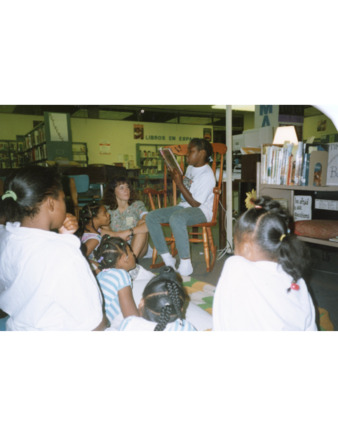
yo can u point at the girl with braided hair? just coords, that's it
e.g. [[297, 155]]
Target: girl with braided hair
[[115, 259], [162, 306], [92, 217], [262, 287]]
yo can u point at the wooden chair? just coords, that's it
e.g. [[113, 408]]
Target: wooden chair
[[199, 233]]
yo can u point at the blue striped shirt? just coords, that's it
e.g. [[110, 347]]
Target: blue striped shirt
[[111, 282]]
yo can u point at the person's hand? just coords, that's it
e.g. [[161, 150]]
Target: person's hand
[[70, 225], [177, 177]]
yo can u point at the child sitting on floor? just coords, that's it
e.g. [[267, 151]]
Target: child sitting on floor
[[92, 217], [261, 287], [162, 306], [115, 258], [122, 294]]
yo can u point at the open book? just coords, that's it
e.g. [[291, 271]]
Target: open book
[[170, 160]]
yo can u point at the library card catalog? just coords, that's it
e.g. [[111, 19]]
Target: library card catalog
[[302, 208]]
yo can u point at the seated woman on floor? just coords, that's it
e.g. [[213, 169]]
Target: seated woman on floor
[[127, 216]]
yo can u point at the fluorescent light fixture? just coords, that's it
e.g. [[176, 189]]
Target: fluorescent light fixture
[[250, 108], [285, 134]]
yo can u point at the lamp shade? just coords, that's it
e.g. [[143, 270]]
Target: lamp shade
[[285, 134]]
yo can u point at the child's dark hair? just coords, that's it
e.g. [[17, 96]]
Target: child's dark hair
[[110, 251], [270, 223], [202, 144], [87, 213], [109, 197], [25, 189], [164, 298]]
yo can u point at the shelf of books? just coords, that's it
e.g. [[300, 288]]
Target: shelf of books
[[10, 154], [303, 178], [149, 160], [48, 142]]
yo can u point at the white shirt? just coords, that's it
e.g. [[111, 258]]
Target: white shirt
[[201, 185], [253, 296], [45, 281], [134, 323]]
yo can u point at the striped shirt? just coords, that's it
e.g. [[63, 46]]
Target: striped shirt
[[111, 282]]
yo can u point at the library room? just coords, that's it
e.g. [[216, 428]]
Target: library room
[[112, 160]]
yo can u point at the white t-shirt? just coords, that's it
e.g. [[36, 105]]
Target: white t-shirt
[[45, 281], [253, 296], [201, 182], [134, 323]]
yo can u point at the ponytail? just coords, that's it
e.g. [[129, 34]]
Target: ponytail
[[269, 223], [25, 190]]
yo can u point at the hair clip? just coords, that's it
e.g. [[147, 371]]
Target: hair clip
[[294, 286], [282, 237], [9, 193], [258, 207], [100, 259]]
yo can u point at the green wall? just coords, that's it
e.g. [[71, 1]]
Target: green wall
[[119, 134], [311, 124]]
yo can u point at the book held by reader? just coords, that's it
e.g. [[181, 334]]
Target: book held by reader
[[170, 160]]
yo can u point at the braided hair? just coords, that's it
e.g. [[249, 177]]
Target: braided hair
[[164, 299], [270, 227], [29, 186], [110, 251], [87, 213]]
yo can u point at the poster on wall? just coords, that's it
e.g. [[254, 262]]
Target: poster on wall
[[104, 148], [207, 134], [138, 132], [321, 126]]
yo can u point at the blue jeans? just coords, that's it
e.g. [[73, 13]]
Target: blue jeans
[[178, 218]]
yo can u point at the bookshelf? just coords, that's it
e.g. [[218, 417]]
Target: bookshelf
[[50, 140], [287, 193], [10, 154], [148, 159]]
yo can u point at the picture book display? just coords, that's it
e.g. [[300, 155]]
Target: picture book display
[[318, 168], [170, 160]]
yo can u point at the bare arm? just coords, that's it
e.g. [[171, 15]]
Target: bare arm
[[127, 303], [91, 245], [178, 179], [125, 235]]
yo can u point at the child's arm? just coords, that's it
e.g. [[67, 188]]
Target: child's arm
[[125, 235], [178, 179], [127, 303], [91, 245]]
